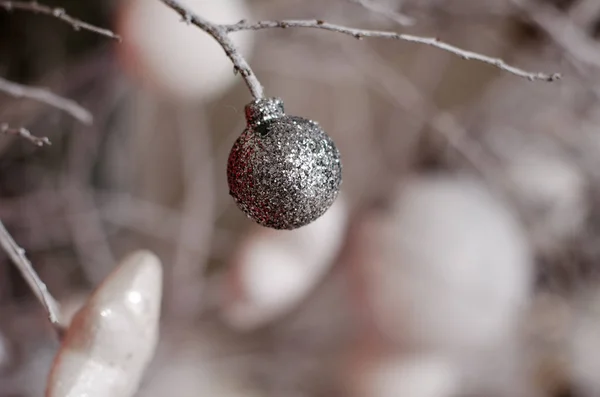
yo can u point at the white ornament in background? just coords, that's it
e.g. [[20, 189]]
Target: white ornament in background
[[418, 376], [113, 337], [193, 368], [179, 59], [276, 269], [456, 267], [552, 190]]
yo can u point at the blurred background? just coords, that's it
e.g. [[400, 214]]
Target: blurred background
[[461, 258]]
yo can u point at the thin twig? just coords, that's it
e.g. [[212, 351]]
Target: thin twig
[[42, 95], [380, 9], [219, 33], [17, 255], [362, 33], [59, 13], [25, 134]]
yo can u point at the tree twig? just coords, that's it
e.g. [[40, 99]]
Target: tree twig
[[17, 255], [25, 134], [219, 33], [42, 95], [59, 13], [362, 33]]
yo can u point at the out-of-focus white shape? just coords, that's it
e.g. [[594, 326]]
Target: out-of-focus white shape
[[420, 376], [584, 346], [455, 269], [113, 337], [274, 269], [552, 191], [193, 372], [180, 59]]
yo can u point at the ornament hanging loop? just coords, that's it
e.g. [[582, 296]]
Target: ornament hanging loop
[[263, 110]]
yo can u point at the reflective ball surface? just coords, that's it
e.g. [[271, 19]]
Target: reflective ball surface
[[283, 171]]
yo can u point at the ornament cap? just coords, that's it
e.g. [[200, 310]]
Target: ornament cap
[[263, 110]]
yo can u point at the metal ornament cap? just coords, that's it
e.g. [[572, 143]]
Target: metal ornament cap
[[284, 171]]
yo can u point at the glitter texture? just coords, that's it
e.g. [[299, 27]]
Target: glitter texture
[[283, 171]]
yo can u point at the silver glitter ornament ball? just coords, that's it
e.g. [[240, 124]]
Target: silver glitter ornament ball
[[283, 171]]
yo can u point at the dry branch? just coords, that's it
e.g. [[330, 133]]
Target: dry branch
[[25, 134], [42, 95], [221, 34], [365, 33], [17, 255], [240, 64], [59, 13]]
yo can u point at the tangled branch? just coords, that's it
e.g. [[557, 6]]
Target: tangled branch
[[59, 13], [39, 94], [8, 244]]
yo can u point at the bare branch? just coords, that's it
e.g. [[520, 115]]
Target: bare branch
[[219, 33], [60, 13], [17, 255], [384, 11], [25, 134], [362, 33], [42, 95]]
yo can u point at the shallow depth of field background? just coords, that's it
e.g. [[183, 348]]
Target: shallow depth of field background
[[461, 258]]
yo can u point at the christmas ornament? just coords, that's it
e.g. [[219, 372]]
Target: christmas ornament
[[454, 268], [272, 272], [113, 337], [283, 171]]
